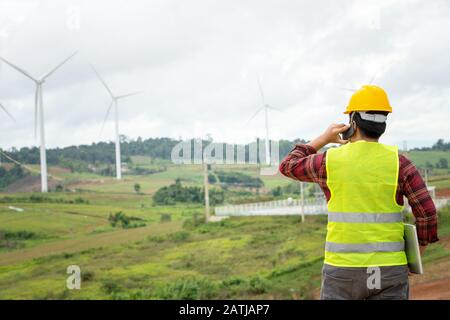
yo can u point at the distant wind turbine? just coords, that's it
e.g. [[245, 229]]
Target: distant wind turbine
[[266, 108], [116, 118], [39, 113]]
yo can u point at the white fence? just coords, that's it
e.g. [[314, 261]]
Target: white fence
[[278, 207], [441, 202], [288, 207]]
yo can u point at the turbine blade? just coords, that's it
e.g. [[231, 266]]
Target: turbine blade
[[261, 91], [106, 116], [58, 66], [387, 66], [7, 112], [255, 114], [18, 69], [102, 81], [347, 89], [273, 108], [129, 94]]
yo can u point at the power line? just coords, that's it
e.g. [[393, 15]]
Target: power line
[[25, 166]]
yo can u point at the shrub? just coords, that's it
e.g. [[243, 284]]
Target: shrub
[[18, 235], [187, 289], [165, 217], [9, 176], [239, 179], [79, 200], [258, 285], [233, 281], [156, 239], [277, 191], [87, 275], [196, 220], [124, 221], [110, 286], [212, 178], [177, 193], [179, 236]]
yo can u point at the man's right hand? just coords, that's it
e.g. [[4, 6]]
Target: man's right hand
[[331, 135]]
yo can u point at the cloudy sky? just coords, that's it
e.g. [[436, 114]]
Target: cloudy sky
[[198, 61]]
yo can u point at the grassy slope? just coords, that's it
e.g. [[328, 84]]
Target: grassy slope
[[420, 158], [54, 222], [240, 258]]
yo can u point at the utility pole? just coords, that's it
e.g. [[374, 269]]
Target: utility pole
[[302, 201], [205, 186], [267, 135]]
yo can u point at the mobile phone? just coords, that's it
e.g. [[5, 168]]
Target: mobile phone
[[348, 133]]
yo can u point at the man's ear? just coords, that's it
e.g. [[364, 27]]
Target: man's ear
[[355, 128]]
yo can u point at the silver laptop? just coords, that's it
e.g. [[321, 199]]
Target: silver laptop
[[412, 249]]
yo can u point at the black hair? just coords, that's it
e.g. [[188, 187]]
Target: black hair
[[370, 129]]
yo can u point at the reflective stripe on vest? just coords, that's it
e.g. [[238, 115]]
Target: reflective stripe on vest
[[361, 217], [365, 223], [365, 247]]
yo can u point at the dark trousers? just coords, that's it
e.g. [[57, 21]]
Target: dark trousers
[[343, 283]]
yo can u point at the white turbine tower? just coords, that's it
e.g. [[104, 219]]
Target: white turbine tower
[[116, 118], [266, 108], [39, 113]]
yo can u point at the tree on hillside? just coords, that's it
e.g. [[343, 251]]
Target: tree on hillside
[[9, 176], [442, 163], [137, 188], [439, 145], [177, 193]]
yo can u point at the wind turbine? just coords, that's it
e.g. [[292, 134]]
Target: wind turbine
[[39, 113], [114, 102], [266, 108]]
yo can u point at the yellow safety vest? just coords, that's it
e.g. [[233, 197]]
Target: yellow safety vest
[[365, 223]]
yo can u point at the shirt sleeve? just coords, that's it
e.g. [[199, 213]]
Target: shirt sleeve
[[422, 205], [303, 163]]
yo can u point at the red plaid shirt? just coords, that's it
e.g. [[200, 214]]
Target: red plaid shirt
[[305, 164]]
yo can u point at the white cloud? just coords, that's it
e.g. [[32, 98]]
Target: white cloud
[[197, 62]]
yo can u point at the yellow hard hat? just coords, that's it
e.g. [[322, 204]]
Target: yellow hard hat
[[369, 98]]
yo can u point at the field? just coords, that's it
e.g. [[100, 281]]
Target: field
[[179, 257], [420, 158]]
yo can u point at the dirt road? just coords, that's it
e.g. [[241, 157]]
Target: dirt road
[[434, 284]]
